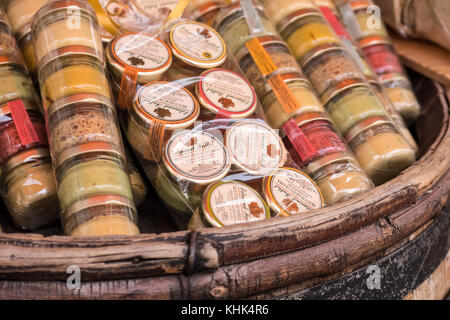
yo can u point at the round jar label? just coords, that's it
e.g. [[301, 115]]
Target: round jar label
[[233, 202], [142, 52], [255, 147], [226, 90], [197, 156], [197, 42], [294, 192], [167, 102]]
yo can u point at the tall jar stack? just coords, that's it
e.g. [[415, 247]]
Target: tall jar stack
[[93, 184], [341, 85], [27, 182], [293, 109], [371, 34]]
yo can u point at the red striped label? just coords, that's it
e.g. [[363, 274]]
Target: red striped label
[[299, 140], [22, 121]]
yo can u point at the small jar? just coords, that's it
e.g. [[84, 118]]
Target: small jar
[[227, 203], [26, 44], [21, 12], [368, 24], [306, 30], [81, 119], [8, 45], [339, 177], [305, 98], [225, 94], [327, 68], [289, 191], [91, 169], [139, 57], [279, 10], [254, 147], [101, 215], [191, 161], [381, 151], [68, 24], [399, 90], [237, 28], [381, 56], [22, 127], [159, 109], [15, 84], [70, 75], [351, 104], [29, 190], [280, 55]]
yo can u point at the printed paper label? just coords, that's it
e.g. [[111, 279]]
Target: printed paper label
[[24, 126]]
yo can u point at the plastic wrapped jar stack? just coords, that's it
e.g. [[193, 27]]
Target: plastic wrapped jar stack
[[373, 39], [27, 182], [294, 108], [342, 87], [94, 188]]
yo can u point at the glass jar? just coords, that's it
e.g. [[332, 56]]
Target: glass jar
[[254, 147], [306, 30], [81, 119], [351, 104], [70, 75], [280, 55], [289, 191], [381, 151], [26, 44], [8, 46], [305, 97], [368, 24], [191, 161], [225, 94], [91, 169], [279, 10], [159, 109], [236, 27], [399, 90], [67, 24], [227, 203], [21, 12], [204, 11], [382, 57], [29, 190], [22, 127], [327, 68], [15, 84], [101, 215]]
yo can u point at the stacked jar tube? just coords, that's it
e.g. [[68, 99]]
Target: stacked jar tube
[[307, 131], [27, 182], [93, 183], [373, 39], [333, 17], [205, 11], [196, 126], [343, 89]]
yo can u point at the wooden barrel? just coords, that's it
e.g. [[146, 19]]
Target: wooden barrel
[[400, 227]]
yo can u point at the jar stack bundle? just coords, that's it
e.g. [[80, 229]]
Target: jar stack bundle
[[290, 103], [27, 183], [94, 188], [340, 83], [195, 124], [368, 30]]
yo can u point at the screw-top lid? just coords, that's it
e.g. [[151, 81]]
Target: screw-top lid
[[71, 52], [366, 125], [286, 24], [77, 100], [25, 157]]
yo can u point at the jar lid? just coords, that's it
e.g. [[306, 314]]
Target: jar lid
[[99, 200], [365, 125], [372, 41], [25, 157], [287, 22], [225, 92], [13, 61], [358, 5], [392, 77], [78, 99], [88, 148], [29, 105], [24, 31], [327, 160], [319, 51], [265, 41], [341, 87], [305, 118], [231, 202], [196, 156], [289, 191], [145, 54], [71, 52], [254, 147], [165, 102], [197, 45], [292, 78]]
